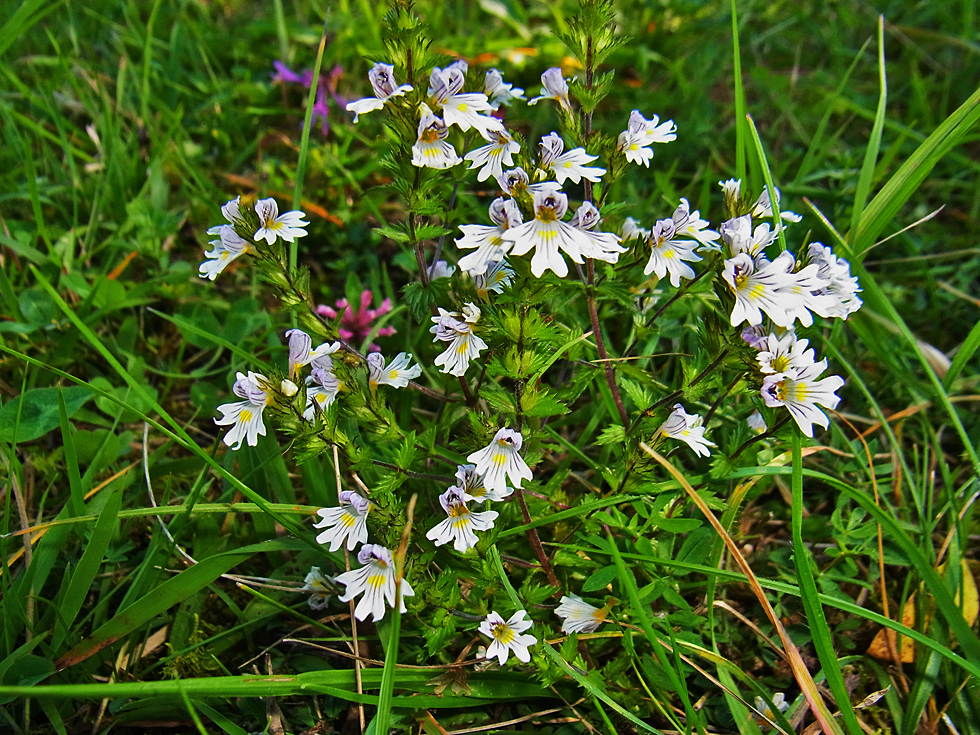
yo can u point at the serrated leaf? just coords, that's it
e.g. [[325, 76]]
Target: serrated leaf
[[615, 434], [394, 233], [547, 405]]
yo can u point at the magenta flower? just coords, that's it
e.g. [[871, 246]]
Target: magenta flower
[[356, 327], [327, 84]]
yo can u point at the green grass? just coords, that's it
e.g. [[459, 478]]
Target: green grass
[[126, 125]]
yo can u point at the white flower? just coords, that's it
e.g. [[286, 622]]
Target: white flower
[[780, 354], [513, 182], [762, 208], [431, 148], [567, 165], [346, 521], [758, 288], [740, 238], [441, 269], [668, 255], [384, 85], [500, 461], [396, 374], [690, 224], [642, 133], [635, 147], [547, 234], [554, 87], [653, 131], [499, 92], [578, 616], [322, 387], [800, 392], [507, 636], [498, 275], [457, 329], [300, 353], [245, 417], [461, 524], [488, 240], [376, 579], [841, 287], [602, 245], [318, 586], [288, 225], [470, 483], [778, 701], [687, 428], [225, 249], [495, 155], [631, 229], [756, 422], [462, 110]]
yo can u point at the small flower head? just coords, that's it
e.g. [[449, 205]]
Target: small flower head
[[507, 636], [319, 588], [457, 329], [603, 245], [245, 417], [470, 483], [499, 92], [653, 131], [670, 255], [461, 523], [781, 354], [800, 392], [687, 428], [578, 616], [513, 182], [397, 373], [547, 235], [778, 701], [492, 158], [498, 275], [839, 286], [756, 422], [569, 165], [229, 246], [384, 85], [376, 581], [501, 461], [300, 352], [432, 150], [488, 240], [347, 521], [288, 225], [322, 388], [554, 87], [761, 287]]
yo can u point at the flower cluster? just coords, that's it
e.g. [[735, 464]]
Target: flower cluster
[[247, 225]]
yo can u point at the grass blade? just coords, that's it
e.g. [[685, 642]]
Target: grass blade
[[304, 145], [89, 565], [800, 671], [874, 142], [157, 601], [903, 183], [741, 133], [966, 351], [816, 621]]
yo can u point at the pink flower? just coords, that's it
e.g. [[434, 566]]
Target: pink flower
[[356, 327]]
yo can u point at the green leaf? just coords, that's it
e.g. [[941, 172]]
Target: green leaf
[[38, 409], [614, 434], [600, 579]]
